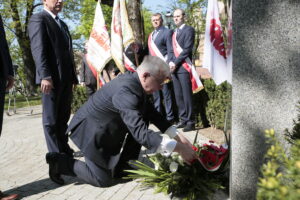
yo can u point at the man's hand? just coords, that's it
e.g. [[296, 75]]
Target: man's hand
[[186, 152], [10, 82], [46, 86], [172, 67]]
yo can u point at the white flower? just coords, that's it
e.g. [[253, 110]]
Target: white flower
[[173, 166], [156, 166]]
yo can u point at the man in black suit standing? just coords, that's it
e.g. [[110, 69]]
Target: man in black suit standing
[[113, 124], [183, 36], [51, 47], [158, 43], [6, 82]]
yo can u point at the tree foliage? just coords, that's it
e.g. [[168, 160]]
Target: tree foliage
[[280, 173], [147, 22], [16, 15]]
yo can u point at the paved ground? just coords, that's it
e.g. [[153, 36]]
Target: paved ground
[[23, 169]]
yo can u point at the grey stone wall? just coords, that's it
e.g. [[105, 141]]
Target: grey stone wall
[[266, 83]]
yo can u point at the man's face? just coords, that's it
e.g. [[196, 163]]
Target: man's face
[[152, 83], [178, 18], [55, 6], [156, 21]]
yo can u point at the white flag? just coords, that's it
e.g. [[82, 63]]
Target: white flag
[[121, 33], [98, 47], [229, 45], [214, 58]]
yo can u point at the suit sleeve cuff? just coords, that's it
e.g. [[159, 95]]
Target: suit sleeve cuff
[[166, 146], [47, 78], [172, 131]]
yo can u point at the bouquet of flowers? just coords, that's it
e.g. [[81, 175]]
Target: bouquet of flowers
[[172, 176]]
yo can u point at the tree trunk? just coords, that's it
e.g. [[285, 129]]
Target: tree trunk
[[136, 20], [23, 40], [29, 66]]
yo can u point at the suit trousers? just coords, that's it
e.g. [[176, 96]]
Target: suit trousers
[[88, 171], [2, 97], [183, 95], [56, 114], [167, 96]]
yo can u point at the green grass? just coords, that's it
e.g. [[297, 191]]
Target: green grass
[[21, 101]]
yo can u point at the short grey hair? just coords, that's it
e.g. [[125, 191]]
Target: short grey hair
[[155, 66]]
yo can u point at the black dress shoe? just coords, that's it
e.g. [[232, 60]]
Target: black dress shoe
[[172, 121], [181, 124], [54, 175], [189, 127], [119, 170]]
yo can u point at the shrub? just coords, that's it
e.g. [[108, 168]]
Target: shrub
[[291, 136], [211, 103], [79, 98], [280, 174]]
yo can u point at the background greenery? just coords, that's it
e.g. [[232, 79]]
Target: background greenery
[[280, 175]]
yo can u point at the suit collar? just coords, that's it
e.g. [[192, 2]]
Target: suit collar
[[159, 28], [181, 26], [50, 13], [53, 23]]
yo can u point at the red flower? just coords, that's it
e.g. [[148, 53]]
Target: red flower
[[195, 148]]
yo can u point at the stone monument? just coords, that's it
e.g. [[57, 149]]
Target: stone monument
[[266, 83]]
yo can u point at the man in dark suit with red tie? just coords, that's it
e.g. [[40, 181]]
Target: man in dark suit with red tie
[[51, 47], [158, 43], [6, 82], [185, 37]]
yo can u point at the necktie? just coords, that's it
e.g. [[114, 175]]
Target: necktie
[[154, 34], [178, 31], [62, 28]]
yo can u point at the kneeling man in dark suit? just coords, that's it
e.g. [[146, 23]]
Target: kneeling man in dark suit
[[113, 124]]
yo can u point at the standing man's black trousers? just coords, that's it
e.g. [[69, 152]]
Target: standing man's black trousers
[[56, 114]]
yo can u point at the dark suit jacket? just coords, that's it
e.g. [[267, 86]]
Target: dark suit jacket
[[163, 41], [6, 67], [86, 74], [185, 39], [100, 125], [51, 49]]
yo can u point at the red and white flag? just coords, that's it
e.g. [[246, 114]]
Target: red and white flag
[[121, 33], [188, 65], [98, 47], [214, 58], [229, 45]]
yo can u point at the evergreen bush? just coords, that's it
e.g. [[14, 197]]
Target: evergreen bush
[[79, 98], [211, 103], [281, 173], [291, 136]]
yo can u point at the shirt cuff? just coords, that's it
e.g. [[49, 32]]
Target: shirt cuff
[[47, 78], [172, 131], [166, 146]]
